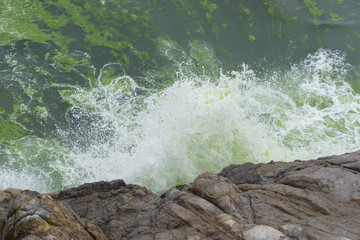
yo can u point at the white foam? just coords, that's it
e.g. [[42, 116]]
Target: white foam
[[202, 123], [194, 125]]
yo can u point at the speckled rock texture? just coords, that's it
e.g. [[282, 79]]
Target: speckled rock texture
[[316, 199]]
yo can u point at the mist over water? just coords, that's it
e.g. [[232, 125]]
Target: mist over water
[[191, 105]]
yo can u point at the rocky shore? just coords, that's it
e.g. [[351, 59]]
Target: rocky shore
[[316, 199]]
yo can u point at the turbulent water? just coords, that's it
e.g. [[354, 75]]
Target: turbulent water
[[157, 92]]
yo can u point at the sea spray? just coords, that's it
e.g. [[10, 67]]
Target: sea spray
[[163, 137], [168, 137]]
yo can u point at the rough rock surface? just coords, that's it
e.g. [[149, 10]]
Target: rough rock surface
[[317, 199], [30, 215]]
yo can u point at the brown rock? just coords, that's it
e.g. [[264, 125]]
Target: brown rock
[[34, 216], [9, 193], [246, 187], [250, 173], [120, 210], [317, 199]]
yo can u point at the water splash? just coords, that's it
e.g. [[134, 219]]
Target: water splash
[[199, 123], [196, 125]]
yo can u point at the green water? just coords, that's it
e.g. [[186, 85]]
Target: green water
[[157, 92]]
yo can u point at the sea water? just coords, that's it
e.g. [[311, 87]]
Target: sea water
[[73, 116]]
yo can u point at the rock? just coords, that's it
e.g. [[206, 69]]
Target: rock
[[9, 193], [317, 199], [5, 196], [336, 176], [118, 209], [31, 215], [250, 173], [262, 232]]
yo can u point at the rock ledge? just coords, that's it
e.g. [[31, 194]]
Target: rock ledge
[[316, 199]]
